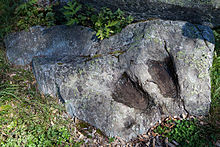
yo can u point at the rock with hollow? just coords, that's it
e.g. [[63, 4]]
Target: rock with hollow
[[125, 84]]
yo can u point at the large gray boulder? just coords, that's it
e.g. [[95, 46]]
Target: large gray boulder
[[205, 12], [149, 70]]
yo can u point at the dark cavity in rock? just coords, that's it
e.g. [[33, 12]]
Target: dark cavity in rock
[[164, 75], [130, 93], [129, 122]]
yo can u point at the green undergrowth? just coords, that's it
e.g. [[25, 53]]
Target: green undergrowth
[[28, 118], [7, 8], [34, 13], [188, 133], [17, 15], [215, 83]]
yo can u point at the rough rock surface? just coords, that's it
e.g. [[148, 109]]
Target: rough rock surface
[[56, 41], [195, 11], [149, 70]]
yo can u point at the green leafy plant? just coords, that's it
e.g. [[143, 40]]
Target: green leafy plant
[[31, 13], [108, 23], [105, 22], [111, 139], [76, 13], [72, 9]]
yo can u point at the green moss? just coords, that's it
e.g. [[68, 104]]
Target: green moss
[[97, 56], [116, 52], [100, 132], [59, 63]]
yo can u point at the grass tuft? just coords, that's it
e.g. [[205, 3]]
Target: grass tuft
[[28, 118]]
